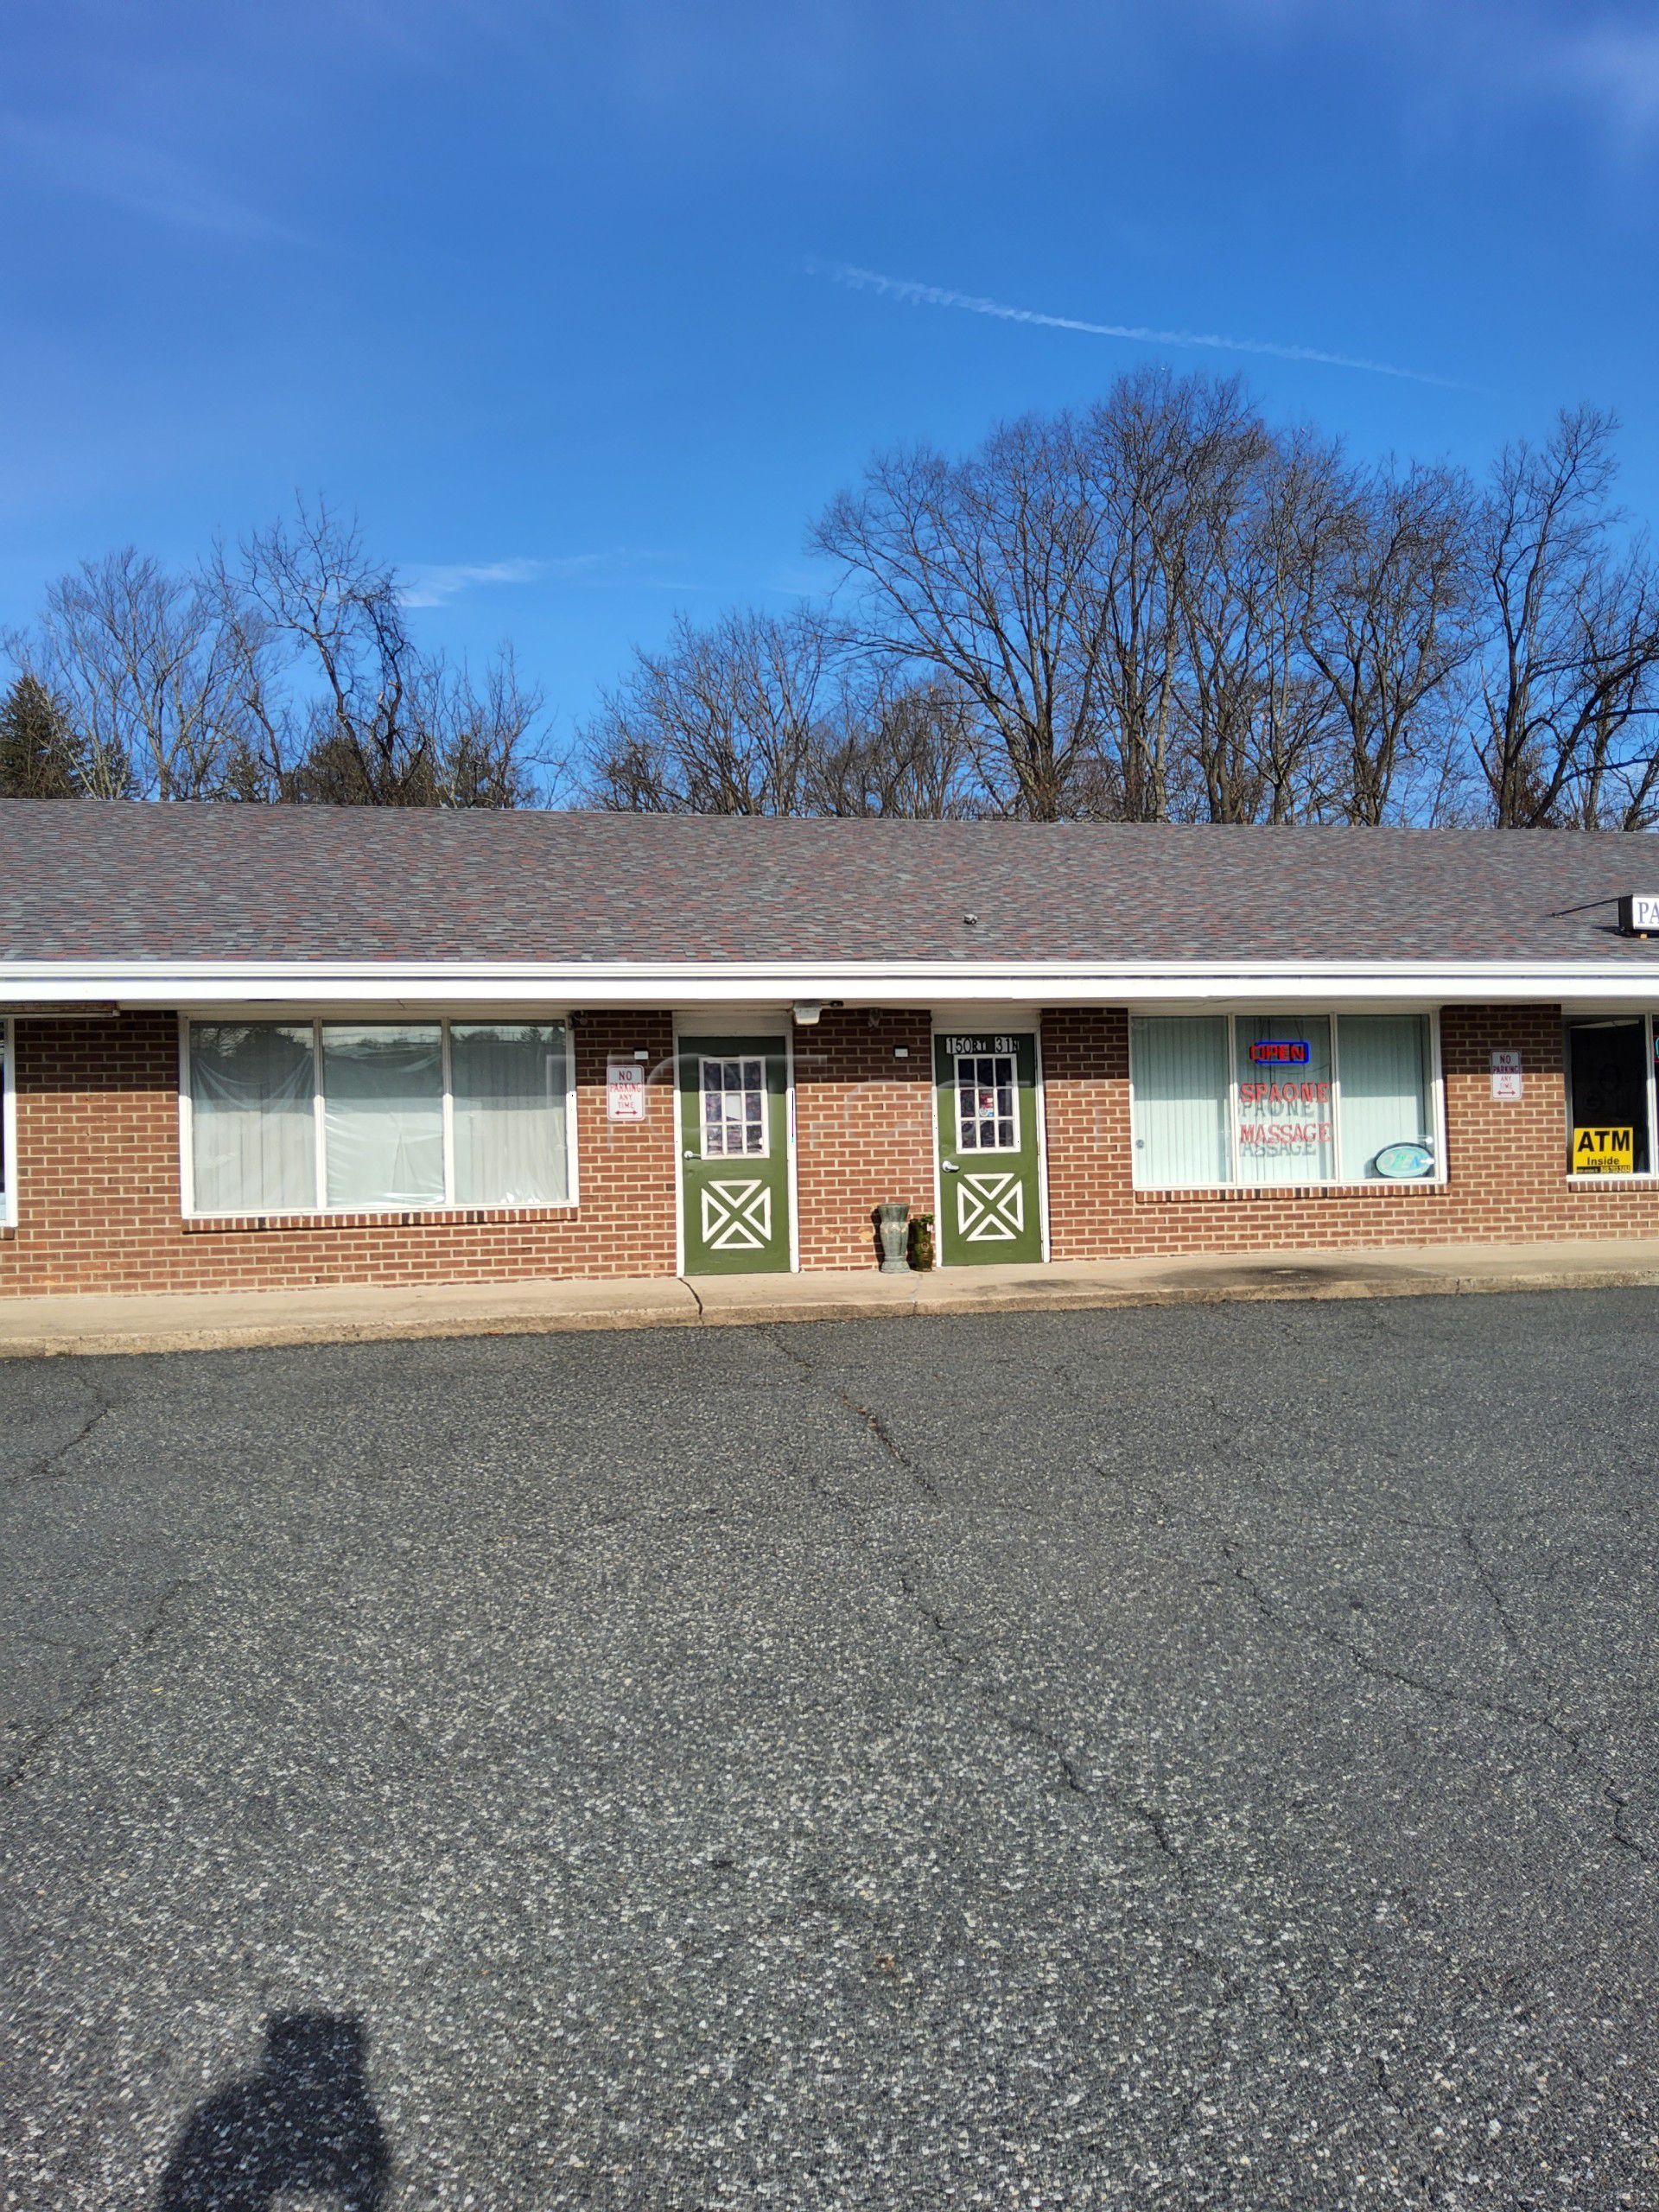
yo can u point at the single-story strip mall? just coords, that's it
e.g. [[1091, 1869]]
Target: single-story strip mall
[[247, 1047]]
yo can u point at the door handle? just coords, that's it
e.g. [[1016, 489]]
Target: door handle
[[950, 1167], [688, 1154]]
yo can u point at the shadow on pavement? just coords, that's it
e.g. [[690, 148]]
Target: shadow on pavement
[[304, 2122]]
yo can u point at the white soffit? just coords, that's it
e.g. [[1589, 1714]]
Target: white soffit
[[400, 984]]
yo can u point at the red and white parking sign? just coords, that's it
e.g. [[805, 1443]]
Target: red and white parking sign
[[625, 1090]]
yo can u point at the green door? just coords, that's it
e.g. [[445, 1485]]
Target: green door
[[991, 1198], [734, 1155]]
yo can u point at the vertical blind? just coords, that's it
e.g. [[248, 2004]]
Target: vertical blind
[[1178, 1097], [255, 1089], [1316, 1119], [1385, 1088]]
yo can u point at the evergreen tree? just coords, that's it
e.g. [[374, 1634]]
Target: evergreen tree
[[40, 756]]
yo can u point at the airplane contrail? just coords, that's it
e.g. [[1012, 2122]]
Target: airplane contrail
[[935, 295]]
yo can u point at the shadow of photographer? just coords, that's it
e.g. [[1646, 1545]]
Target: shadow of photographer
[[305, 2122]]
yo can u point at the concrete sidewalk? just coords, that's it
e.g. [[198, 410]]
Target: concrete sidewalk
[[37, 1327]]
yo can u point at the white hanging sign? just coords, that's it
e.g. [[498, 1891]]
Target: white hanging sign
[[1506, 1075], [625, 1090]]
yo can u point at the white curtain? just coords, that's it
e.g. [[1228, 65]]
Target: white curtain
[[1385, 1088], [1286, 1117], [251, 1100], [1178, 1090], [382, 1113], [508, 1079]]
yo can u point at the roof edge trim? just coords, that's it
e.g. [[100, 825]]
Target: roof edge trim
[[139, 984]]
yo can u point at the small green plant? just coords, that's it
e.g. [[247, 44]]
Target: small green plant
[[921, 1242]]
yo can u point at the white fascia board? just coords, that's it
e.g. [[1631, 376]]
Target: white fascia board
[[397, 984]]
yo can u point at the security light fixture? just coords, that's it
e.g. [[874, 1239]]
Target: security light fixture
[[806, 1012]]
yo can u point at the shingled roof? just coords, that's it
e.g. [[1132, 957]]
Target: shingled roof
[[83, 880]]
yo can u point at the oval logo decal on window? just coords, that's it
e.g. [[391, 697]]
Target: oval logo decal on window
[[1402, 1161]]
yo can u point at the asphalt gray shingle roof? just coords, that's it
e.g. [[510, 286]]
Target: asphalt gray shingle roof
[[82, 879]]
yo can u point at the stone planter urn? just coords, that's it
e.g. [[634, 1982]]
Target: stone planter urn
[[893, 1223]]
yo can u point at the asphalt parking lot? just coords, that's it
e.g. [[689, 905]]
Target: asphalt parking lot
[[1193, 1758]]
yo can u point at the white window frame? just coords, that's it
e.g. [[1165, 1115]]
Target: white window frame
[[1232, 1016], [7, 1125], [316, 1023], [1650, 1173], [980, 1151], [707, 1060]]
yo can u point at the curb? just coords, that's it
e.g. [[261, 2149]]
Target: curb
[[772, 1312]]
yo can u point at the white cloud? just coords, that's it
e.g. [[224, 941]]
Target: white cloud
[[435, 584], [935, 295]]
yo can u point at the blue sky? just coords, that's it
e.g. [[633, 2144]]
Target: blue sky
[[559, 297]]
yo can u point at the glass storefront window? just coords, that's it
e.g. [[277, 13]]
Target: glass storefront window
[[1387, 1097], [1286, 1117], [1279, 1100], [1607, 1079], [433, 1113], [1178, 1100]]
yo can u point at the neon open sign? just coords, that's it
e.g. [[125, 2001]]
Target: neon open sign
[[1282, 1052]]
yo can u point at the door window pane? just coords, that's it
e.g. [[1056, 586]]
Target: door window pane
[[1607, 1084], [1285, 1123], [382, 1113], [1386, 1095], [987, 1116], [508, 1080], [733, 1109], [1178, 1093], [252, 1088]]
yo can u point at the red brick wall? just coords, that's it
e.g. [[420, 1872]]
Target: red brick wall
[[98, 1165], [863, 1128], [1506, 1163], [98, 1198]]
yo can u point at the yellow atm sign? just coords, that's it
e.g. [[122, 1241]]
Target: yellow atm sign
[[1603, 1152]]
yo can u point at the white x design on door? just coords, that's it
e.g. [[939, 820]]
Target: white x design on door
[[990, 1209], [736, 1217]]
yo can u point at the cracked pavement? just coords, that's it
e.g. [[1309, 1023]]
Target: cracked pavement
[[1191, 1757]]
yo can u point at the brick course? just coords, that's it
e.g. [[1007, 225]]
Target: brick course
[[98, 1189], [863, 1128]]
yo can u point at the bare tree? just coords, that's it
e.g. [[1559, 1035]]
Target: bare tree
[[984, 568], [1569, 680], [147, 673], [1389, 624], [722, 720], [1158, 450], [897, 745], [340, 702], [1253, 729]]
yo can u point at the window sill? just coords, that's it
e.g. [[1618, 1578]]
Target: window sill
[[1256, 1193], [402, 1217], [1612, 1182]]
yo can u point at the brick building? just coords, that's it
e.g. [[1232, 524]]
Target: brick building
[[249, 1047]]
